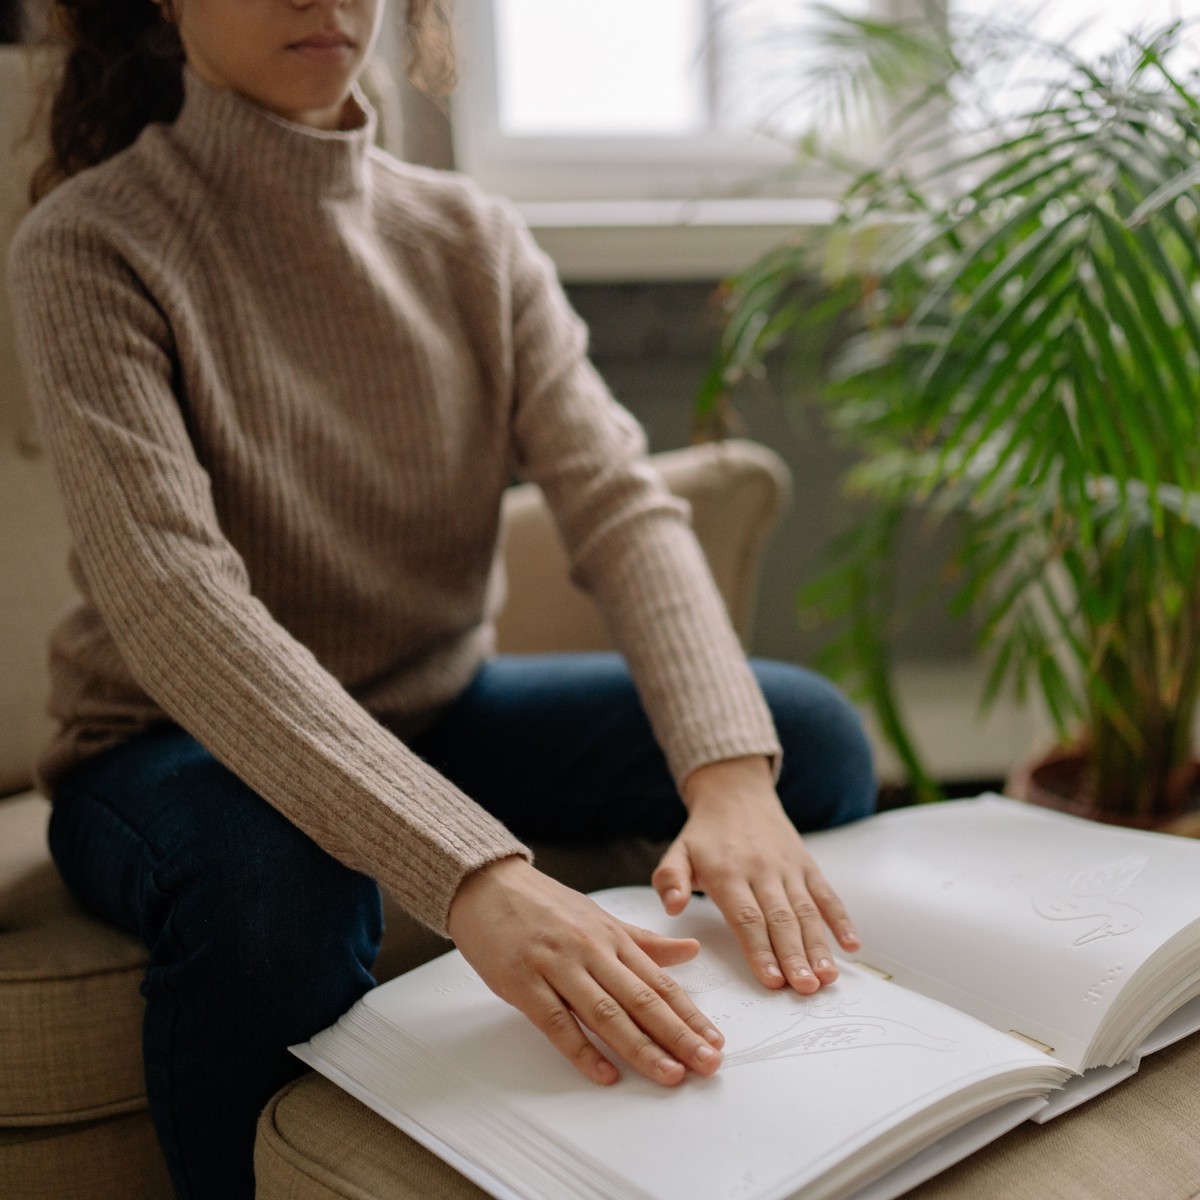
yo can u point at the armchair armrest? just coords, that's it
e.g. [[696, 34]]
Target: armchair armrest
[[737, 489]]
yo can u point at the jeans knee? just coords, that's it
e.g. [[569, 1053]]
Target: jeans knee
[[828, 776], [246, 891]]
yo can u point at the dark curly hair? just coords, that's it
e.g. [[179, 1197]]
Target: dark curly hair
[[123, 70]]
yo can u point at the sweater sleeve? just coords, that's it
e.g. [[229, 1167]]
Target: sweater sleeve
[[175, 595], [629, 540]]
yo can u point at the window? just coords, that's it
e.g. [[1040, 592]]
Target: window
[[668, 98], [1092, 29], [645, 99], [1092, 26], [624, 128]]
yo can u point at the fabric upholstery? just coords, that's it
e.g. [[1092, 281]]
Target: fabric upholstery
[[1137, 1140], [315, 1142], [70, 1013], [113, 1159]]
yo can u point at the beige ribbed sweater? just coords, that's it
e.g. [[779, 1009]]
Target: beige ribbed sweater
[[285, 380]]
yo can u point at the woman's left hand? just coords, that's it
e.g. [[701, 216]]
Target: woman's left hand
[[739, 846]]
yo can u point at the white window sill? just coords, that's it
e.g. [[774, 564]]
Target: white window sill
[[612, 241]]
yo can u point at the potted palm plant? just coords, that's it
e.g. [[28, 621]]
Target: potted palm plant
[[1023, 360]]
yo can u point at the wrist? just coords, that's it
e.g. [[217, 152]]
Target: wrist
[[480, 886], [730, 780]]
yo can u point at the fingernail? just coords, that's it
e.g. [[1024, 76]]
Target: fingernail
[[711, 1035], [823, 964], [773, 972], [668, 1066], [848, 935], [674, 895], [803, 973], [607, 1072], [704, 1053]]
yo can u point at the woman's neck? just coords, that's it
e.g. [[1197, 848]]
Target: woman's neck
[[254, 152]]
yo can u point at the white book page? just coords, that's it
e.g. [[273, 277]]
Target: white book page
[[951, 1149], [1183, 1022], [1027, 919], [806, 1083]]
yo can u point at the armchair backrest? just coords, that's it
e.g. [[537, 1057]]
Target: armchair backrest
[[736, 491], [34, 585]]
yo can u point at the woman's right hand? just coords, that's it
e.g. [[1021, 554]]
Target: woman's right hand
[[568, 966]]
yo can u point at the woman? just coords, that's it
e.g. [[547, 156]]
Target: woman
[[285, 380]]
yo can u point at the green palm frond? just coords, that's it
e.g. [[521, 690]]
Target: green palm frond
[[1026, 357]]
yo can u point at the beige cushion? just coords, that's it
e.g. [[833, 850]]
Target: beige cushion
[[1139, 1140], [70, 1012], [113, 1159], [315, 1142]]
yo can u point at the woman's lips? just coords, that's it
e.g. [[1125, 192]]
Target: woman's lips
[[324, 47]]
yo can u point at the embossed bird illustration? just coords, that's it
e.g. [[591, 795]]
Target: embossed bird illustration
[[1089, 896], [821, 1028]]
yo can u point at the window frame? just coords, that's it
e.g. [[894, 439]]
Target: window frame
[[655, 167], [611, 209]]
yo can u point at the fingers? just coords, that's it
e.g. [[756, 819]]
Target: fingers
[[814, 938], [664, 950], [672, 879], [649, 1020], [744, 915], [676, 1005], [550, 1013], [832, 909], [783, 929], [651, 1023], [571, 968]]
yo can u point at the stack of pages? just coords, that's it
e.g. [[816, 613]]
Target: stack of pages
[[1006, 951]]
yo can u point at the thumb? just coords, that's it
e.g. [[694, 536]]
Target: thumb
[[665, 950], [672, 878]]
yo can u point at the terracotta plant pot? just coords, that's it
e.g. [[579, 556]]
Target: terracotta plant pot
[[1055, 781]]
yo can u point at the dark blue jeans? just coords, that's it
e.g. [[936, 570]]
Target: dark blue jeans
[[258, 938]]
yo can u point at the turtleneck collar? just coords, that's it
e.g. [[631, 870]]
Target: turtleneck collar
[[250, 150]]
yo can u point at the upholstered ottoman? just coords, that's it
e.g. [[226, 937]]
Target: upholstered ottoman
[[71, 1090], [1136, 1142]]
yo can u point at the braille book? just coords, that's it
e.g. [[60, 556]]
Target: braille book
[[1014, 963]]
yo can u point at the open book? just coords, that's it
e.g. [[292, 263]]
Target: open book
[[1006, 951]]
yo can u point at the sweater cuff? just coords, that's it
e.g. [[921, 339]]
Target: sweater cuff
[[436, 911]]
